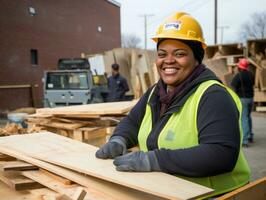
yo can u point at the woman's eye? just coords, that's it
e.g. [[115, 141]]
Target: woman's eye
[[161, 55], [180, 54]]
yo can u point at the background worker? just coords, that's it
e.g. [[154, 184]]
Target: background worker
[[117, 85], [243, 83], [187, 124]]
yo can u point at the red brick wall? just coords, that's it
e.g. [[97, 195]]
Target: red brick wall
[[60, 29]]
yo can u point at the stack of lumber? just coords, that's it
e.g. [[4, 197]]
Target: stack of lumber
[[69, 168], [257, 57], [91, 123], [222, 59], [12, 128], [136, 65]]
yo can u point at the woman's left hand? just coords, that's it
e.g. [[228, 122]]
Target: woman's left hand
[[137, 162]]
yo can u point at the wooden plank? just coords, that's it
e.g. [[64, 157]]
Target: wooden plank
[[97, 188], [10, 194], [78, 135], [254, 190], [80, 157], [259, 96], [94, 109], [17, 166], [96, 137], [251, 61], [109, 59], [18, 182], [134, 78], [122, 57], [262, 79], [218, 66], [73, 192], [261, 108], [78, 116], [4, 157], [56, 177], [66, 126]]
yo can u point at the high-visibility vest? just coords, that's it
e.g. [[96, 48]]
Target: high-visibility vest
[[181, 131]]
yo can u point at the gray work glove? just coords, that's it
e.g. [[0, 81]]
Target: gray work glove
[[116, 146], [137, 162]]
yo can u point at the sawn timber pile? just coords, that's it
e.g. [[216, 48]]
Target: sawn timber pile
[[91, 123], [76, 161]]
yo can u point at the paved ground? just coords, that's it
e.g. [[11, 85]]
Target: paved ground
[[255, 153]]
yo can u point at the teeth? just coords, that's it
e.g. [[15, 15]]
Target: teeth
[[170, 70]]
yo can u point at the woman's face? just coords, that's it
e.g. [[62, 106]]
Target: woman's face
[[175, 61]]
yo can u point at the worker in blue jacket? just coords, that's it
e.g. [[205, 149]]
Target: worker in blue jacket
[[117, 85], [187, 124]]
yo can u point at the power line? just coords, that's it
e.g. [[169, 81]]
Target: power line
[[189, 4], [166, 15], [195, 6]]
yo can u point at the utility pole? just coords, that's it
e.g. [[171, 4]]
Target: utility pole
[[145, 29], [222, 31], [215, 21]]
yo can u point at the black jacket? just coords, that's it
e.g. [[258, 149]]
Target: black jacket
[[217, 122], [117, 86], [242, 84]]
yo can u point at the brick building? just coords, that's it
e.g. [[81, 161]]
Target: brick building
[[34, 34]]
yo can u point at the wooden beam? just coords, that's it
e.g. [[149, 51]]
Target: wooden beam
[[4, 157], [70, 192], [254, 190], [17, 166], [110, 108], [8, 193], [56, 177], [261, 108], [18, 182]]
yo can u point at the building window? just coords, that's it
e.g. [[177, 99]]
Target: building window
[[32, 11], [34, 56]]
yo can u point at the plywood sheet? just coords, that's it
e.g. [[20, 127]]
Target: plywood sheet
[[99, 189], [81, 157], [111, 108]]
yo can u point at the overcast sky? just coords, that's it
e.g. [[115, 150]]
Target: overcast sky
[[231, 14]]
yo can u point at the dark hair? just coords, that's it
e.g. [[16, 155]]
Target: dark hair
[[115, 66]]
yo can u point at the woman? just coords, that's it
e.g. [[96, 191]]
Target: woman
[[188, 123]]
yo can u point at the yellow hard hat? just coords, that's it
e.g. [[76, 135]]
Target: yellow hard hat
[[180, 26]]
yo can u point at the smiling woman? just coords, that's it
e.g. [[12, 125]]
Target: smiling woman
[[187, 124], [175, 62]]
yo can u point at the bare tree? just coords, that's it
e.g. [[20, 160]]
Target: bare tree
[[255, 28], [130, 41]]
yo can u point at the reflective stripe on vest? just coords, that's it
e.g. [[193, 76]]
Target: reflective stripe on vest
[[181, 132]]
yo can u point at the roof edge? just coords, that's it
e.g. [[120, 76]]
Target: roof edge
[[115, 2]]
